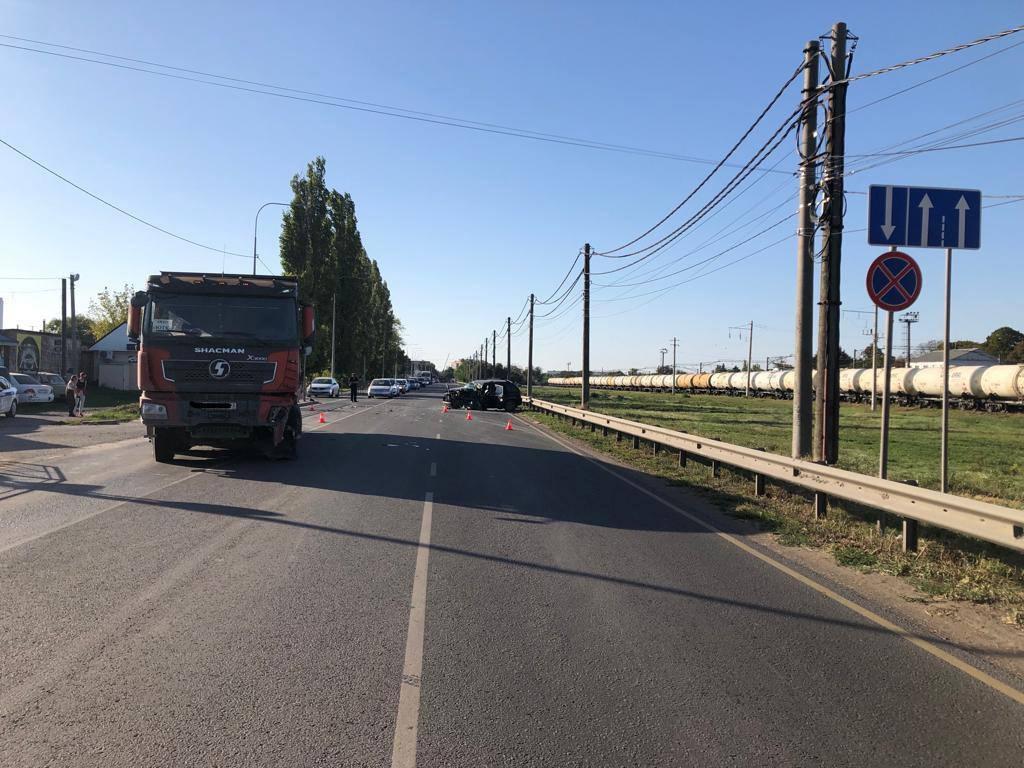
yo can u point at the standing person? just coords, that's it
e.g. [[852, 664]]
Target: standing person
[[353, 387], [80, 384], [69, 392]]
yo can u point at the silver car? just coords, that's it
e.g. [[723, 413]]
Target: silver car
[[403, 386], [323, 386], [30, 390], [383, 388]]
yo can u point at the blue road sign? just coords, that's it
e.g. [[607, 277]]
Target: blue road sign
[[924, 217], [894, 281]]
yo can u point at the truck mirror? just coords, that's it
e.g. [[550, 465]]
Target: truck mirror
[[307, 350], [308, 324], [134, 321]]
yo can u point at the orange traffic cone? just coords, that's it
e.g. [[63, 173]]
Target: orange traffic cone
[[322, 419], [508, 426], [444, 408], [469, 415]]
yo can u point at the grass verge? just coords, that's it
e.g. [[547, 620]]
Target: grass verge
[[101, 404], [946, 566]]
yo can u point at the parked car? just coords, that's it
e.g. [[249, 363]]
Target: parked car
[[52, 380], [8, 398], [488, 393], [403, 385], [30, 390], [323, 386], [383, 388]]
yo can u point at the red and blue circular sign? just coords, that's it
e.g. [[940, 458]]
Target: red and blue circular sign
[[894, 281]]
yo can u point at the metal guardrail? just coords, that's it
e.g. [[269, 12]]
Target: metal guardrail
[[980, 519]]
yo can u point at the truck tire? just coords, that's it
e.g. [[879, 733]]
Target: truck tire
[[163, 445], [289, 447]]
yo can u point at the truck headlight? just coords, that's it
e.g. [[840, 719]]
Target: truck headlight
[[154, 411]]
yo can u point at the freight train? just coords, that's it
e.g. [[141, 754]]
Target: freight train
[[971, 387]]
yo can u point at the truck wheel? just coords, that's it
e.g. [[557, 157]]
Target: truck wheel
[[289, 447], [163, 445]]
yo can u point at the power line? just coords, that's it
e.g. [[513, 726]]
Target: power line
[[706, 179], [118, 208], [567, 274], [311, 97]]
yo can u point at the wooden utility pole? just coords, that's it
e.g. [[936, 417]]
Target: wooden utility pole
[[804, 350], [63, 328], [585, 399], [508, 348], [494, 353], [826, 427], [750, 355]]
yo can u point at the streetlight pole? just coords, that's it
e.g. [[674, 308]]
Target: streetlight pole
[[255, 227]]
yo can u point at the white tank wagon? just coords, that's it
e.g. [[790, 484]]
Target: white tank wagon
[[981, 387]]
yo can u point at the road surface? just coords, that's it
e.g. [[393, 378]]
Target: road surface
[[419, 589]]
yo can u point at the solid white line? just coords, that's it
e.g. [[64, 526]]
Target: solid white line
[[968, 669], [403, 754], [433, 469]]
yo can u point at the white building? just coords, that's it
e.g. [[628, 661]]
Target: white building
[[969, 356], [114, 360]]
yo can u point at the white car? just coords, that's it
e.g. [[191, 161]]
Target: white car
[[323, 386], [403, 386], [8, 398], [383, 388], [30, 390]]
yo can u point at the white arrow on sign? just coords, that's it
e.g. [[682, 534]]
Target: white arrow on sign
[[962, 207], [888, 227], [926, 206]]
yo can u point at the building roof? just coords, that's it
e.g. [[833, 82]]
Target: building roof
[[6, 341], [115, 340], [973, 353]]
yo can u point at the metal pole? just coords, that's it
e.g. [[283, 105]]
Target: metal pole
[[944, 472], [874, 365], [802, 416], [529, 356], [334, 317], [585, 399], [750, 355], [63, 328], [883, 452], [508, 349], [494, 353]]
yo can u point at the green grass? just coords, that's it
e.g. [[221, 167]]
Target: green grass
[[101, 404], [946, 566], [986, 450]]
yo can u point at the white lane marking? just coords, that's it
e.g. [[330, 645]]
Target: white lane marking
[[433, 469], [403, 754], [972, 671]]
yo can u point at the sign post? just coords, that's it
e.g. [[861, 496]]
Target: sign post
[[893, 283], [928, 217]]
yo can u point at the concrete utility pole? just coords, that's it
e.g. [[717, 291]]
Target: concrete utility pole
[[73, 358], [529, 356], [334, 318], [750, 355], [826, 426], [909, 318], [63, 328], [494, 353], [585, 399], [663, 351], [675, 345], [487, 343], [508, 348], [803, 351]]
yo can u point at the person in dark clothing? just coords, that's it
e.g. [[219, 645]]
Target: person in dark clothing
[[69, 392], [353, 387], [80, 384]]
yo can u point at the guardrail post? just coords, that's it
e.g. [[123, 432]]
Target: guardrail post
[[820, 505], [716, 468], [758, 484], [909, 535], [593, 427], [636, 442], [682, 458], [655, 448], [604, 431], [618, 436]]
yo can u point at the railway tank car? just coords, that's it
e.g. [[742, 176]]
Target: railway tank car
[[971, 387]]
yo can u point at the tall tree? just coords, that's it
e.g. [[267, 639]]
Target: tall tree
[[1001, 341]]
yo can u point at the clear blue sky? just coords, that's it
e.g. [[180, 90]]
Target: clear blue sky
[[466, 224]]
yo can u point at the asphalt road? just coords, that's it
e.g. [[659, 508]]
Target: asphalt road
[[419, 589]]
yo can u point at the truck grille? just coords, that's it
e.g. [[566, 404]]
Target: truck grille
[[242, 374]]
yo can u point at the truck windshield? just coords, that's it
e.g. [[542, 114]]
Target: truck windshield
[[266, 319]]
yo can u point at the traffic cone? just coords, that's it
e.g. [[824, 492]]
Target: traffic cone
[[322, 419], [469, 415], [508, 426], [444, 408]]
